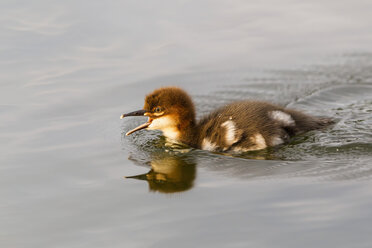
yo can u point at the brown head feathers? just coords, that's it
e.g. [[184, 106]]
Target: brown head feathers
[[171, 100]]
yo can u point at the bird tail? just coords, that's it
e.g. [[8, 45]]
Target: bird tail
[[306, 122]]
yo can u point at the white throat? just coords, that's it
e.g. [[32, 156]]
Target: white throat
[[167, 125], [171, 133]]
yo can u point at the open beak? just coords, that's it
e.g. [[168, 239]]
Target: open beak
[[140, 177], [137, 113]]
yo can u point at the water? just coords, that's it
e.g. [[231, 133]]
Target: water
[[71, 178]]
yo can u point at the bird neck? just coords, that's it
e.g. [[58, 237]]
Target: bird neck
[[188, 134]]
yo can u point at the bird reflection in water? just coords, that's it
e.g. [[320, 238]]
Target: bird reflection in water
[[170, 173]]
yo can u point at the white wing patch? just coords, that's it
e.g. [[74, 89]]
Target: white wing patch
[[208, 145], [259, 143], [231, 136], [282, 117], [259, 140], [276, 141]]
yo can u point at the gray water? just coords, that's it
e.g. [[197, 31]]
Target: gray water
[[71, 178]]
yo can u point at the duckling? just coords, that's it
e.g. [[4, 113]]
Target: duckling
[[237, 127]]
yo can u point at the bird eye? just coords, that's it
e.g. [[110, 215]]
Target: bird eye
[[158, 110]]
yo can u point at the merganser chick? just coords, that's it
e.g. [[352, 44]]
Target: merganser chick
[[237, 127]]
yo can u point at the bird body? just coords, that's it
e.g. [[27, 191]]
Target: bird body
[[237, 127]]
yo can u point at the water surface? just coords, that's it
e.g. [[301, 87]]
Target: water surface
[[70, 69]]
